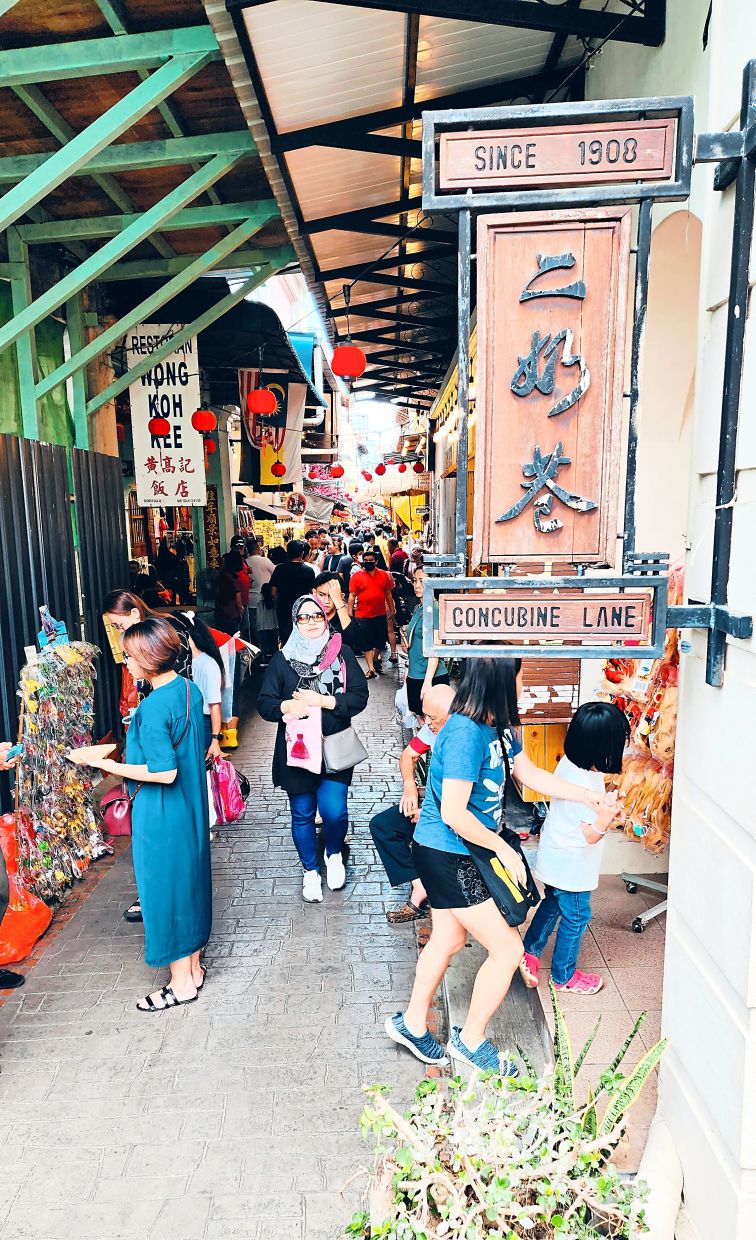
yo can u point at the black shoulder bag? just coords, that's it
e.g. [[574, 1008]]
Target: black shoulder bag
[[514, 902]]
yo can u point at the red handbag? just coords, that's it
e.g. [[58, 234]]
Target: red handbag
[[115, 806]]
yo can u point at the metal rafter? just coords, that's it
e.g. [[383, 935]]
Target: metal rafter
[[22, 66], [114, 249], [110, 225], [57, 167], [135, 156], [345, 219], [646, 28]]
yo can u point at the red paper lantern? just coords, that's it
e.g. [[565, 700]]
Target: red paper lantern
[[210, 446], [120, 432], [261, 401], [418, 467], [402, 467], [278, 469], [349, 362], [380, 469], [371, 510], [367, 475], [337, 471], [159, 427], [312, 474], [204, 421]]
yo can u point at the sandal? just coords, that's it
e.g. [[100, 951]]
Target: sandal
[[168, 999], [408, 912], [133, 912], [371, 675], [204, 975]]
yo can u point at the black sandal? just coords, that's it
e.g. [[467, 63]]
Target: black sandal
[[133, 912], [169, 1000], [204, 975]]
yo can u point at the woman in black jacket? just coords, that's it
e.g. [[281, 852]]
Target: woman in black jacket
[[314, 669]]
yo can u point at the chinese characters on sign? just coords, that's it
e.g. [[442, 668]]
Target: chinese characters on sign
[[212, 530], [551, 330], [170, 470]]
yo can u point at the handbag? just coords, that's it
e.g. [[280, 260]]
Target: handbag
[[227, 798], [513, 901], [342, 751], [116, 805]]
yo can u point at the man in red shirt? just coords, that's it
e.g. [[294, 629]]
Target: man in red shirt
[[371, 601]]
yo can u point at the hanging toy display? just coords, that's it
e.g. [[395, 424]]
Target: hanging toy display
[[57, 831], [646, 691]]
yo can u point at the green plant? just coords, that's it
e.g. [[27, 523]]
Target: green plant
[[496, 1159]]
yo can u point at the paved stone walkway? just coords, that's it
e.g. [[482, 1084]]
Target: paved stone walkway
[[235, 1117]]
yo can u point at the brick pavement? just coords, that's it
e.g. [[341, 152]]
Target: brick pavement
[[235, 1117]]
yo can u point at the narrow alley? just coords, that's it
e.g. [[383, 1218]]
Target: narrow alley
[[236, 1117]]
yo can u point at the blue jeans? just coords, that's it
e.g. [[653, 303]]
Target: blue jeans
[[330, 799], [574, 910]]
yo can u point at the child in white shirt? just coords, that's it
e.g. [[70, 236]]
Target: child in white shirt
[[570, 848]]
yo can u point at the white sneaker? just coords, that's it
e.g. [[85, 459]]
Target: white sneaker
[[335, 872], [312, 887]]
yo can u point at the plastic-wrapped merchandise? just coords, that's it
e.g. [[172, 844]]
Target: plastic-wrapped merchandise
[[57, 829], [27, 916]]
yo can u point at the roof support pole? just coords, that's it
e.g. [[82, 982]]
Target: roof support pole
[[141, 313], [117, 120], [191, 329], [26, 348], [114, 249], [75, 321], [135, 156]]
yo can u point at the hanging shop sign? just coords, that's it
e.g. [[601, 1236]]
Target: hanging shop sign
[[584, 616], [552, 292], [169, 469], [212, 530], [626, 148], [639, 150]]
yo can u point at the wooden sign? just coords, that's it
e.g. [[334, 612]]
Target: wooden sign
[[526, 615], [552, 303], [554, 155]]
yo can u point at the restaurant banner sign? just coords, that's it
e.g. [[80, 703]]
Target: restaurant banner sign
[[552, 298], [170, 469]]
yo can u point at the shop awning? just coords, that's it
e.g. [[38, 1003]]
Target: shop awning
[[334, 93]]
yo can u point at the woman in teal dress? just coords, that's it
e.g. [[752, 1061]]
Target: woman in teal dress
[[165, 764]]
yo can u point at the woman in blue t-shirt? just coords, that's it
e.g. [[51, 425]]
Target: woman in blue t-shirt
[[463, 802]]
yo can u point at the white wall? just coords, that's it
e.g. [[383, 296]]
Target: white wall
[[708, 1079]]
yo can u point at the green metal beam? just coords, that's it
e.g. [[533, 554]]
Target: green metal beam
[[114, 249], [146, 308], [191, 329], [76, 339], [118, 54], [122, 116], [26, 349], [111, 225], [49, 116], [136, 156], [6, 6], [156, 268], [115, 16]]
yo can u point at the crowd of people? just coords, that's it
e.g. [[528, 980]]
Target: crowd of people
[[316, 608]]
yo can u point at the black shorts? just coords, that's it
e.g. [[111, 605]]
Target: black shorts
[[414, 686], [373, 632], [450, 879]]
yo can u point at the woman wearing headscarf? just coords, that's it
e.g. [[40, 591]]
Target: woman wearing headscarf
[[314, 669]]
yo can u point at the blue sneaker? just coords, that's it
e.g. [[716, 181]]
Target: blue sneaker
[[426, 1048], [485, 1058]]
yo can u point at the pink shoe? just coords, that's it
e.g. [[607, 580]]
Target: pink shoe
[[582, 983], [529, 966]]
